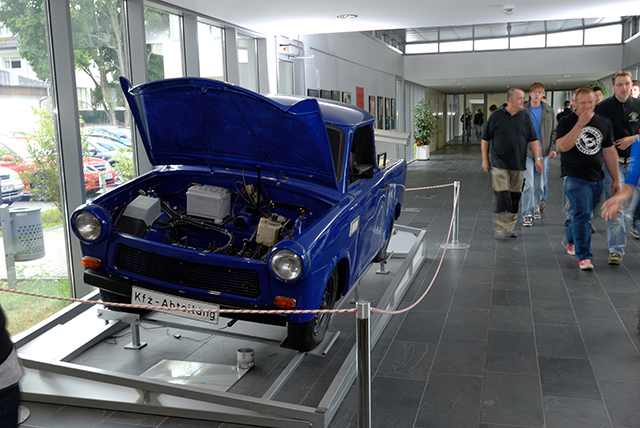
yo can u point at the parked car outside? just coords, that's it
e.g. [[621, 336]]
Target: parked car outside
[[12, 186], [104, 148], [15, 156], [257, 203], [118, 134]]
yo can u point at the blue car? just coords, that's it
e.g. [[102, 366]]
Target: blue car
[[256, 202]]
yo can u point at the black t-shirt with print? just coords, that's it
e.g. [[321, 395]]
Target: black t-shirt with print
[[584, 160], [625, 118]]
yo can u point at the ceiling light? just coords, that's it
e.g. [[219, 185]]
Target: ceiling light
[[508, 8], [347, 16]]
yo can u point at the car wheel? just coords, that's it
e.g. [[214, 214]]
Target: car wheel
[[307, 335], [110, 297], [382, 254]]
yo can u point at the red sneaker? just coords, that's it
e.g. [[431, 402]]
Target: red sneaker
[[585, 264], [571, 250]]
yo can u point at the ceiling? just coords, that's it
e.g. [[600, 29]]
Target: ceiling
[[293, 18]]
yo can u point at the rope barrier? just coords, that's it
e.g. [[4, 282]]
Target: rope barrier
[[262, 311], [428, 187]]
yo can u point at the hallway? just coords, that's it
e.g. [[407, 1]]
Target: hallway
[[512, 333]]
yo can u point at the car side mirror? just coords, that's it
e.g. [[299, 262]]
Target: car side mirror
[[363, 171]]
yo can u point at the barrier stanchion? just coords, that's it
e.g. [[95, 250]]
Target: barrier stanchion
[[363, 362], [455, 245]]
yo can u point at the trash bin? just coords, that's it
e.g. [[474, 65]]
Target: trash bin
[[26, 229]]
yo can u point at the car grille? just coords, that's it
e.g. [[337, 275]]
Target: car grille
[[239, 282]]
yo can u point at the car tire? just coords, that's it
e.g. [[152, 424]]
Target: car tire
[[307, 335], [110, 297], [382, 254]]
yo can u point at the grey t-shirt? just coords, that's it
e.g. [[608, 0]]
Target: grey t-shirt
[[10, 371]]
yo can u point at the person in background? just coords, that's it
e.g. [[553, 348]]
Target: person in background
[[466, 120], [597, 90], [567, 110], [585, 140], [492, 108], [634, 230], [478, 121], [10, 373], [544, 123], [510, 132], [624, 113]]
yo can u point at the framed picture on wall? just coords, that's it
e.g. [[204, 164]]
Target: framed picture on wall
[[325, 94], [380, 117], [313, 93], [346, 97], [372, 108], [393, 113], [335, 95], [360, 97]]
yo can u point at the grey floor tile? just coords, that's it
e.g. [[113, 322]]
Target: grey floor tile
[[563, 412], [615, 363], [621, 399], [451, 401], [517, 297], [408, 360], [593, 308], [425, 327], [562, 341], [568, 377], [460, 356], [467, 324], [388, 395], [472, 297], [511, 352], [553, 312], [512, 399], [512, 318]]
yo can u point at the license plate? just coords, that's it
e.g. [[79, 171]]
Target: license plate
[[141, 296], [8, 188]]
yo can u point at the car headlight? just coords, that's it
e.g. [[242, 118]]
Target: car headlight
[[286, 265], [87, 226]]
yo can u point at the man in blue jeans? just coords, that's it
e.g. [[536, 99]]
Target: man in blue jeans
[[624, 112], [585, 139]]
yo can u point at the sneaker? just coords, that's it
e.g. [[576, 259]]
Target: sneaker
[[585, 264], [537, 215], [512, 233], [571, 250], [634, 232], [528, 221], [542, 206], [614, 259]]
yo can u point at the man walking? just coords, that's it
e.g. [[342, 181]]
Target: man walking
[[478, 121], [624, 113], [466, 120], [584, 140], [510, 130], [544, 122]]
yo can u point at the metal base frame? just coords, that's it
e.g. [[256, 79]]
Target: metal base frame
[[57, 380]]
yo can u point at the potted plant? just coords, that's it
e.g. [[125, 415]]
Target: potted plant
[[425, 128]]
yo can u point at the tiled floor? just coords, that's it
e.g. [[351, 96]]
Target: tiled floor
[[512, 333]]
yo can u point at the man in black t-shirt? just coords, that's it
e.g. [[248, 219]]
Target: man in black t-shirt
[[584, 140], [510, 130], [624, 113]]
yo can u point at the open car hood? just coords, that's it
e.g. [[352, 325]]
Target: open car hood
[[194, 121]]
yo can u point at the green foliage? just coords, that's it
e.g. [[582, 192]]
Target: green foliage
[[42, 172], [425, 123], [124, 165]]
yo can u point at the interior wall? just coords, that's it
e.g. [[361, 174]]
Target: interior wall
[[526, 62]]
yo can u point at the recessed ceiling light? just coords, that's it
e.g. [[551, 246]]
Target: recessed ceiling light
[[347, 16]]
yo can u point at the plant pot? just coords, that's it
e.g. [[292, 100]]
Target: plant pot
[[423, 152]]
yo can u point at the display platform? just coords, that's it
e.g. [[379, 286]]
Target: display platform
[[190, 369]]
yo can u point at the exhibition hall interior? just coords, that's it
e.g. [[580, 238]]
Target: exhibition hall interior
[[247, 214]]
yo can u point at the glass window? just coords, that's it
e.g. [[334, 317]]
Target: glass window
[[462, 46], [29, 162], [248, 62], [210, 51], [105, 121], [607, 35], [163, 32], [491, 44], [420, 48], [565, 38], [526, 42]]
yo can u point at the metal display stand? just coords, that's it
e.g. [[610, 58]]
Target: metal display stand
[[55, 379]]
